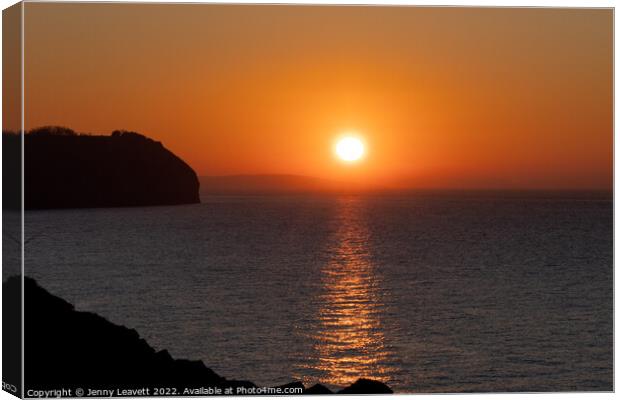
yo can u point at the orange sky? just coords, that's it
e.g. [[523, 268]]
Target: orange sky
[[444, 97]]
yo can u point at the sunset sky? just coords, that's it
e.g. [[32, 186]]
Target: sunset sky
[[442, 97]]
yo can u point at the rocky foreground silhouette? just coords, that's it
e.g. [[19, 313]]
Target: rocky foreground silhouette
[[64, 169], [65, 348]]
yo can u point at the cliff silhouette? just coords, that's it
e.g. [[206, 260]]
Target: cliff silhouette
[[65, 348], [64, 169]]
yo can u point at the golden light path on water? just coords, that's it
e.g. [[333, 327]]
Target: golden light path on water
[[350, 339]]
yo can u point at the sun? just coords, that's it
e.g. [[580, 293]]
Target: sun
[[350, 148]]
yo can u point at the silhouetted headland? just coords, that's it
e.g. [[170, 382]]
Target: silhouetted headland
[[64, 169], [65, 348]]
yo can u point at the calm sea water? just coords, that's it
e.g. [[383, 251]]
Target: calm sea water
[[426, 293]]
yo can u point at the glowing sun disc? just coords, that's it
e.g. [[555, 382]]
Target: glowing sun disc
[[350, 149]]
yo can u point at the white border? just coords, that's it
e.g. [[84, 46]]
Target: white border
[[445, 3]]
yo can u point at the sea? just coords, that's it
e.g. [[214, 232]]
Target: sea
[[427, 292]]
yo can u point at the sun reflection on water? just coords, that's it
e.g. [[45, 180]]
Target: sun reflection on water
[[349, 341]]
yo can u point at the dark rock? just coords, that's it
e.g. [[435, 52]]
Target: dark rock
[[64, 169], [65, 348], [318, 389], [366, 386], [68, 348], [12, 335], [295, 384]]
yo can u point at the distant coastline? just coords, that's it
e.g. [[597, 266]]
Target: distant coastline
[[288, 184], [276, 184]]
